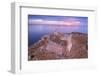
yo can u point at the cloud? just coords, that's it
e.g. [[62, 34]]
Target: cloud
[[70, 22]]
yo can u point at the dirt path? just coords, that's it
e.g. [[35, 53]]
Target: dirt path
[[69, 40]]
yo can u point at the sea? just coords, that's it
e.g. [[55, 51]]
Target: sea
[[35, 32]]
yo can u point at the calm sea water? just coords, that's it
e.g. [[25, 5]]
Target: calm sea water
[[35, 32]]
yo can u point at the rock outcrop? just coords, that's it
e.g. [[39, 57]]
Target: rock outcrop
[[60, 46]]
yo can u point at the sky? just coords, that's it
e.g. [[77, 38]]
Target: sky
[[39, 25], [57, 20]]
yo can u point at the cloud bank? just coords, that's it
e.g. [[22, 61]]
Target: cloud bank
[[54, 22]]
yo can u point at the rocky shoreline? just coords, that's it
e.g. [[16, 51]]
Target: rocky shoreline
[[57, 45]]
